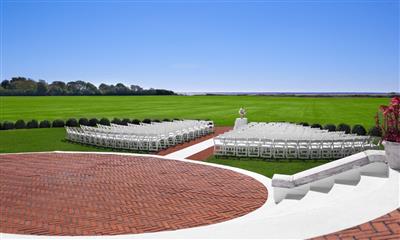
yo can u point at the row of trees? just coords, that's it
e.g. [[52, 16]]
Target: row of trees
[[21, 86]]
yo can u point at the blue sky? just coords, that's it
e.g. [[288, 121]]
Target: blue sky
[[306, 46]]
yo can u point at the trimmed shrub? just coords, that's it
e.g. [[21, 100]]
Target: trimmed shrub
[[116, 121], [93, 122], [104, 121], [375, 132], [125, 121], [330, 127], [72, 122], [316, 125], [83, 121], [20, 124], [166, 120], [359, 130], [156, 120], [176, 119], [1, 126], [343, 128], [304, 124], [45, 124], [146, 121], [136, 121], [8, 125], [58, 123], [32, 124]]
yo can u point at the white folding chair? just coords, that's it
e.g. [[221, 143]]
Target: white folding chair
[[315, 149], [291, 149], [303, 149], [266, 148], [253, 147], [241, 147], [279, 148], [326, 149]]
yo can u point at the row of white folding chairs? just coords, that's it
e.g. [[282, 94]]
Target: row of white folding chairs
[[289, 149], [201, 127], [294, 136], [272, 128], [125, 141], [191, 133], [129, 142], [198, 130], [179, 125], [132, 142]]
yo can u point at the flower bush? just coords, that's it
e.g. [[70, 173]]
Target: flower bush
[[388, 120]]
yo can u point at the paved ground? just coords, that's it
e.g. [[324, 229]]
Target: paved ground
[[93, 194], [203, 155], [217, 131], [385, 227]]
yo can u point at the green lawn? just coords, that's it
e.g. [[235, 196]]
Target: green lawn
[[37, 140], [222, 109], [269, 168]]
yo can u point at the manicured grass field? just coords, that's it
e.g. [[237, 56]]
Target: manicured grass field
[[222, 109], [37, 140], [269, 168]]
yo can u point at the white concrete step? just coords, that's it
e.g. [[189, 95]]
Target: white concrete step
[[339, 194]]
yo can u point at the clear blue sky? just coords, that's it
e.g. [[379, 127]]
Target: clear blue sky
[[206, 45]]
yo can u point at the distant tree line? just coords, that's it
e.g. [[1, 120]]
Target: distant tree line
[[21, 86]]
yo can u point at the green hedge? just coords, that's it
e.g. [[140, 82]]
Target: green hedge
[[72, 122], [32, 124], [44, 124]]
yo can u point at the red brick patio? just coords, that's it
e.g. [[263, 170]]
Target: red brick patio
[[385, 227], [94, 194]]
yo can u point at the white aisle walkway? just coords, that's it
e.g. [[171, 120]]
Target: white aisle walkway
[[189, 151]]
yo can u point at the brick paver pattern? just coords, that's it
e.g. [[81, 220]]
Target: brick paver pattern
[[385, 227], [95, 194]]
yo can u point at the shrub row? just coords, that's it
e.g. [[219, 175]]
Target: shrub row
[[72, 122]]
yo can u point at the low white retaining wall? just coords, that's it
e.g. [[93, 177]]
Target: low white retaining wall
[[347, 170]]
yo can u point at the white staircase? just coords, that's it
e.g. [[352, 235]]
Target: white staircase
[[324, 178], [338, 195]]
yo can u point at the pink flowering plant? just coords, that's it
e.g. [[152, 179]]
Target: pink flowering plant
[[388, 120]]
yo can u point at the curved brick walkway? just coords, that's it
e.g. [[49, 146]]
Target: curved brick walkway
[[385, 227], [94, 194]]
